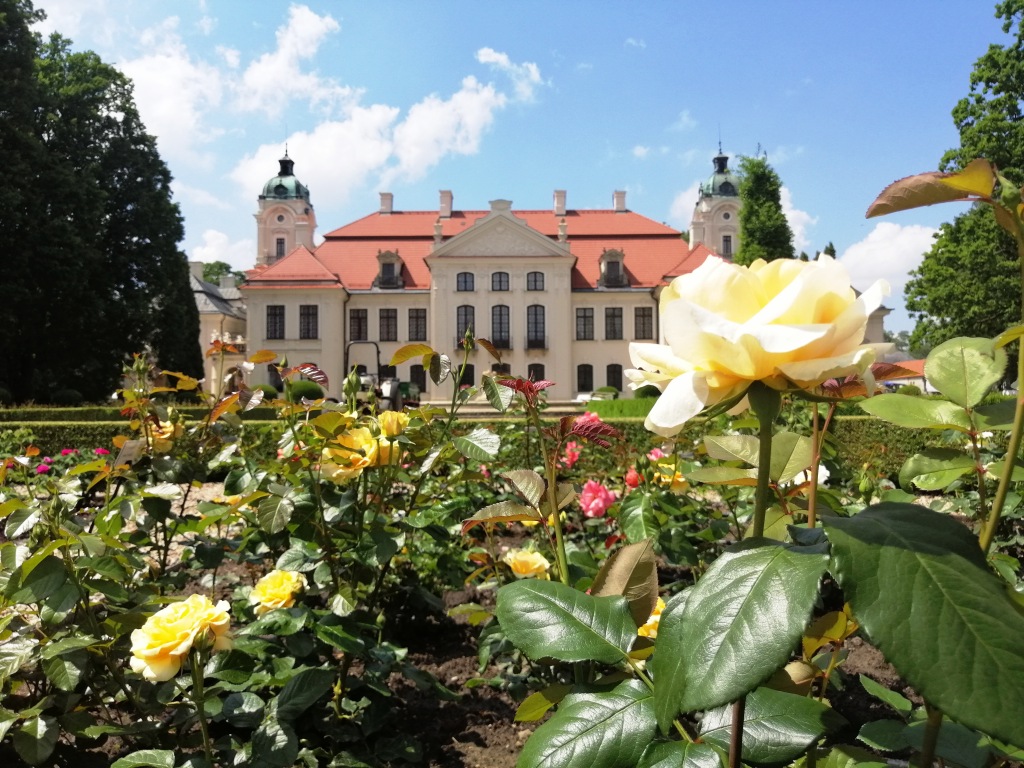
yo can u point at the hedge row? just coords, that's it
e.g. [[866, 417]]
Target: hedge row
[[884, 447], [110, 413]]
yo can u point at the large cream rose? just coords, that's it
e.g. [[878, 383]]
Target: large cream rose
[[787, 323], [276, 590], [349, 454], [161, 644]]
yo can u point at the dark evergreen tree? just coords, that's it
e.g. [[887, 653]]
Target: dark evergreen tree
[[764, 229]]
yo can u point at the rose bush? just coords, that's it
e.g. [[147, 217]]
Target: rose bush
[[161, 644], [276, 590], [786, 323]]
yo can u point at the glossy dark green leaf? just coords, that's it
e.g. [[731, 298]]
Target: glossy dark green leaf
[[777, 726], [65, 671], [738, 625], [637, 517], [274, 513], [917, 413], [15, 652], [547, 619], [596, 730], [680, 754], [302, 690], [35, 740], [920, 587], [146, 758], [43, 580], [243, 709], [964, 369], [934, 469], [847, 756], [274, 745]]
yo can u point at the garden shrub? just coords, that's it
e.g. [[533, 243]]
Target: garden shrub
[[66, 397], [110, 413], [633, 408], [885, 447], [269, 392], [908, 389], [646, 391], [304, 389]]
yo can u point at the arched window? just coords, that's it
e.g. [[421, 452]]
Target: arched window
[[500, 337], [615, 376], [535, 329], [464, 281], [585, 378], [499, 281], [535, 281]]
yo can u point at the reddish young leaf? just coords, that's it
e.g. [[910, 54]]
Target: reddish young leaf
[[313, 373]]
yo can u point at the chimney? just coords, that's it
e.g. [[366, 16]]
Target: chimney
[[227, 281], [619, 198], [559, 202], [387, 201], [196, 268], [446, 204]]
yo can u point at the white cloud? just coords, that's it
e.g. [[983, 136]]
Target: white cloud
[[525, 77], [783, 154], [206, 25], [273, 79], [175, 93], [333, 159], [641, 151], [217, 246], [684, 122], [231, 56], [194, 195], [799, 221], [889, 252], [438, 127], [681, 211], [633, 42]]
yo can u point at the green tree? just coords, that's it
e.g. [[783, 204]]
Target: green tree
[[764, 230], [92, 268], [213, 271], [968, 283], [989, 119]]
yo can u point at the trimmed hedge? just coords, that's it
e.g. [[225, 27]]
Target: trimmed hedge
[[866, 440], [111, 413]]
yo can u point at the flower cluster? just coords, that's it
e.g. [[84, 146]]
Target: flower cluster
[[595, 499], [162, 643], [786, 323], [359, 448]]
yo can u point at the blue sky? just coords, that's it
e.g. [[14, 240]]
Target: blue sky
[[515, 100]]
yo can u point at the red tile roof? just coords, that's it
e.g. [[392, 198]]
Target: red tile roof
[[653, 252]]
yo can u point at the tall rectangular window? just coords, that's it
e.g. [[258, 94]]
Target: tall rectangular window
[[614, 373], [417, 325], [535, 330], [279, 249], [275, 321], [727, 246], [309, 326], [643, 322], [584, 377], [464, 281], [584, 323], [500, 327], [613, 322], [465, 318], [389, 325], [499, 281], [357, 330]]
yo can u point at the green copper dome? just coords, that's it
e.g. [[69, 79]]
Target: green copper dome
[[723, 182], [285, 186]]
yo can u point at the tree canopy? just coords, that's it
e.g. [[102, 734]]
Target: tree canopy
[[764, 229], [92, 269], [213, 271]]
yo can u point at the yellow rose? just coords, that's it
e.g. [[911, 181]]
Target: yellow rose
[[526, 564], [351, 453], [276, 590], [785, 323], [159, 646], [393, 423], [650, 629], [674, 481], [163, 434]]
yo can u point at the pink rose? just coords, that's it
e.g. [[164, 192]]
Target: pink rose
[[47, 460], [101, 452], [595, 499], [632, 478], [656, 454], [589, 417], [67, 451], [572, 455], [42, 469]]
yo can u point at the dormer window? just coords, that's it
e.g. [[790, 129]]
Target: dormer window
[[389, 275], [613, 272]]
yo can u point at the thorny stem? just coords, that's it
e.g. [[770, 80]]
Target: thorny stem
[[198, 694], [552, 499], [812, 492]]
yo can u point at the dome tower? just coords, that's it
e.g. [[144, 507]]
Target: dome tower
[[285, 218], [716, 215]]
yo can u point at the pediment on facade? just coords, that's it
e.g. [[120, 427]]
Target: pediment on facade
[[499, 233]]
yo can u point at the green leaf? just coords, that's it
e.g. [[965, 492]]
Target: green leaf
[[898, 702], [722, 476], [502, 512], [633, 573], [680, 754], [498, 395], [956, 744], [480, 444], [935, 469], [35, 740], [408, 352], [302, 690], [777, 726], [964, 369], [738, 625], [21, 522], [921, 590], [527, 482], [996, 416], [537, 704], [152, 758], [274, 745], [884, 735], [917, 412], [743, 448], [15, 652], [846, 756], [637, 517], [65, 671], [243, 709], [791, 455], [45, 578], [275, 512], [546, 619], [337, 637], [597, 730], [439, 366]]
